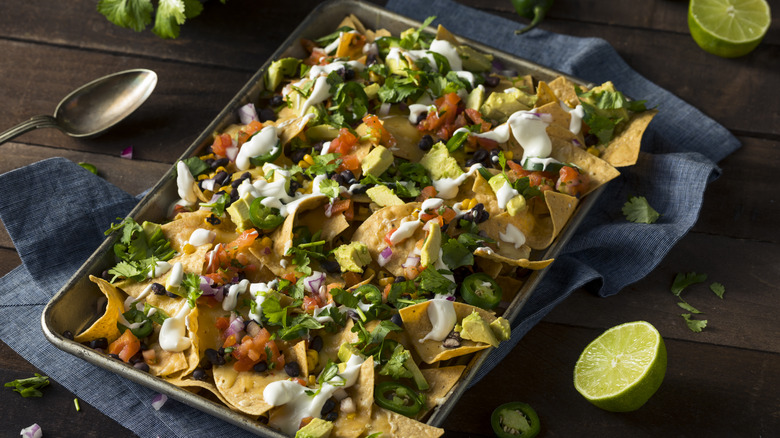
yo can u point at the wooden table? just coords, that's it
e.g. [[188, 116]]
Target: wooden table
[[721, 382]]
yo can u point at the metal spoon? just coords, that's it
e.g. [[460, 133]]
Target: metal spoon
[[94, 107]]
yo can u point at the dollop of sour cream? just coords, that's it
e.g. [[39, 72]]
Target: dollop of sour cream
[[512, 235], [184, 184], [172, 332], [261, 143], [441, 312], [231, 298], [295, 404], [530, 131]]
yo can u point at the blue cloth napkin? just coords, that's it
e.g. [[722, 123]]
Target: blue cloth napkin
[[58, 220]]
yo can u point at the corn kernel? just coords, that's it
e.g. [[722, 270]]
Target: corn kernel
[[266, 241], [188, 249], [312, 380], [385, 281], [368, 273], [593, 150], [312, 358], [220, 169], [472, 203], [303, 165], [508, 155], [207, 156], [351, 416], [308, 158]]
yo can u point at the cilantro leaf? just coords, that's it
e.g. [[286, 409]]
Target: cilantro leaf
[[395, 365], [219, 205], [718, 289], [455, 254], [435, 282], [196, 166], [685, 306], [299, 327], [329, 188], [696, 325], [638, 210], [191, 284], [681, 281], [29, 387], [169, 16], [131, 14]]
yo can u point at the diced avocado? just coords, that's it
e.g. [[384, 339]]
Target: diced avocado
[[516, 205], [397, 66], [476, 98], [383, 196], [612, 112], [150, 229], [499, 106], [346, 350], [497, 181], [352, 256], [317, 428], [429, 252], [371, 90], [322, 133], [440, 164], [239, 213], [501, 329], [377, 161], [278, 70], [417, 375], [474, 328], [474, 60]]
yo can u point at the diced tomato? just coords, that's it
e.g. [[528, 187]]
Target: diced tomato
[[476, 118], [349, 162], [242, 242], [311, 302], [340, 206], [485, 143], [377, 131], [344, 143], [125, 346], [305, 421], [150, 356], [220, 145], [572, 182], [255, 349], [252, 127], [290, 277], [425, 217], [229, 341], [447, 112], [426, 192], [222, 323], [389, 235], [448, 215]]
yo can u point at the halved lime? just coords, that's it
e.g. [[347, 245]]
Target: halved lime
[[728, 28], [622, 368]]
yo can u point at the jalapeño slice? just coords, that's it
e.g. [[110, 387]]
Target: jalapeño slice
[[264, 217], [481, 290], [515, 420], [399, 398]]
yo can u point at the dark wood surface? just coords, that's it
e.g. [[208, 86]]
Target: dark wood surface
[[721, 382]]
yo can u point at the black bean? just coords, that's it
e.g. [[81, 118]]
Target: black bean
[[481, 216], [492, 81], [158, 289], [101, 343], [317, 147], [221, 162], [494, 156], [261, 366], [170, 294], [221, 177], [349, 74], [330, 266], [399, 279], [453, 340], [137, 357], [347, 177], [214, 357], [421, 117], [262, 419], [316, 343], [106, 276], [331, 416], [199, 374], [480, 155], [266, 114], [591, 140], [213, 220], [371, 59], [298, 154], [360, 190], [328, 406], [426, 143], [294, 186], [292, 369], [396, 319], [276, 100], [67, 334], [141, 366]]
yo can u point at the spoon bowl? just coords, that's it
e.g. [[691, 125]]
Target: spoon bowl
[[94, 107]]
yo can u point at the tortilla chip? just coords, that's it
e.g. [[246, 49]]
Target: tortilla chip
[[330, 227], [283, 236], [599, 171], [179, 231], [623, 150], [244, 390], [392, 425], [407, 137], [362, 393], [545, 95], [561, 118], [441, 380], [190, 263], [105, 326], [510, 287], [496, 225], [521, 263], [373, 230], [443, 34], [195, 386], [354, 22], [418, 325], [565, 91]]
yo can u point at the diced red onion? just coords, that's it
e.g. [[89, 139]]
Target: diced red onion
[[384, 256], [33, 431], [312, 283], [208, 184], [384, 110], [231, 153], [347, 406], [206, 285], [158, 401], [576, 142], [127, 153], [450, 297], [235, 328], [247, 113], [411, 261]]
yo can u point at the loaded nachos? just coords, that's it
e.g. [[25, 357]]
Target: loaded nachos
[[336, 258]]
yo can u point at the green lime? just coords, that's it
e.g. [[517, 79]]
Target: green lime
[[728, 28], [622, 368]]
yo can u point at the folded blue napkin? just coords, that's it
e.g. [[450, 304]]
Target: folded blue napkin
[[58, 220]]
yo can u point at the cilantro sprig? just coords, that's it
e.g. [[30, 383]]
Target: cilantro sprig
[[638, 210], [137, 14], [681, 282], [138, 250]]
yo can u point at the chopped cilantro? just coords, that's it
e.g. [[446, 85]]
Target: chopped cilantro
[[681, 281], [329, 188], [196, 166], [638, 210], [137, 252], [218, 205], [696, 325], [685, 306], [455, 254], [718, 289], [435, 282], [394, 367]]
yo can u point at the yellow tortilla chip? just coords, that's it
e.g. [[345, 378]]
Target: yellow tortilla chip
[[565, 91], [407, 137], [417, 323], [393, 425], [105, 326], [373, 230], [545, 95], [441, 381], [599, 171], [623, 150], [195, 386], [362, 393], [283, 236]]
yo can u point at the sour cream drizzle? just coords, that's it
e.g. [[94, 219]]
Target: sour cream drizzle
[[172, 332], [295, 404], [512, 235], [184, 184], [447, 188], [529, 129], [201, 236], [441, 312], [231, 298], [261, 143]]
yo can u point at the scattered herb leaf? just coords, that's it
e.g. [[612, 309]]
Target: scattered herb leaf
[[681, 281], [696, 325], [718, 289], [638, 210]]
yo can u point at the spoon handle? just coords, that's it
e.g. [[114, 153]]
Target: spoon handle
[[29, 125]]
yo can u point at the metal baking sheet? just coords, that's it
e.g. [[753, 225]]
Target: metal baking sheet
[[73, 307]]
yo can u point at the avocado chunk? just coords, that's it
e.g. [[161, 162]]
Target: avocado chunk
[[398, 65], [474, 60], [322, 133], [346, 350], [371, 90], [352, 256], [317, 428], [501, 329], [377, 161], [151, 229], [383, 196], [440, 164], [239, 213], [499, 106], [278, 70], [516, 205], [476, 98], [497, 181], [430, 249], [476, 329]]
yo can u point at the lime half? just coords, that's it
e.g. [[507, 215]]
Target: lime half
[[728, 28], [621, 369]]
